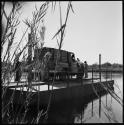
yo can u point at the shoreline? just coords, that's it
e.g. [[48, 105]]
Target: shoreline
[[104, 70]]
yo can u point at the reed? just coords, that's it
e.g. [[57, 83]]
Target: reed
[[9, 114]]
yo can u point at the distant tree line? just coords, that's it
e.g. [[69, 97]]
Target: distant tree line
[[107, 65]]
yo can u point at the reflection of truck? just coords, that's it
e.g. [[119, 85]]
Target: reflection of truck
[[65, 61]]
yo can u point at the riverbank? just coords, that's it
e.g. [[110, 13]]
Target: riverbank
[[106, 67]]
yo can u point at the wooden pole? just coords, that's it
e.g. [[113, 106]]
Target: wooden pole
[[92, 99], [100, 82], [100, 67], [100, 106], [106, 74]]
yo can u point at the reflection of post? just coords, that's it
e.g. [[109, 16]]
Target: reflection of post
[[100, 106], [100, 67], [92, 107]]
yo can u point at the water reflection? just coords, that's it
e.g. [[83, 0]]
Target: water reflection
[[74, 111], [86, 109], [89, 109]]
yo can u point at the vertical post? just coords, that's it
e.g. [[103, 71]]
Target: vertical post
[[92, 99], [100, 82], [100, 67], [100, 106]]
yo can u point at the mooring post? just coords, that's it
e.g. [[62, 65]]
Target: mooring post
[[100, 82], [92, 99], [100, 106], [100, 67]]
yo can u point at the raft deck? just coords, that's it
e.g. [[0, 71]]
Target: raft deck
[[62, 90]]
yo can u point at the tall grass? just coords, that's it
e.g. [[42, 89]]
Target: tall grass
[[8, 36]]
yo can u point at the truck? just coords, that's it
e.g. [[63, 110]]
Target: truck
[[66, 63]]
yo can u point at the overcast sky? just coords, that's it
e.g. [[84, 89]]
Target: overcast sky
[[94, 28]]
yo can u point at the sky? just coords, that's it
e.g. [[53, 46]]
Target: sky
[[94, 28]]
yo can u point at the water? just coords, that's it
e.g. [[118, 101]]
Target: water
[[89, 110]]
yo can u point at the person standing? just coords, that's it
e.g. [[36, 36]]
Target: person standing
[[86, 69], [78, 62]]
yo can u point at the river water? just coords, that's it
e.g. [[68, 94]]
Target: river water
[[88, 110], [91, 110]]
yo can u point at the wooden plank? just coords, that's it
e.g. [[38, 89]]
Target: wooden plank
[[26, 85]]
